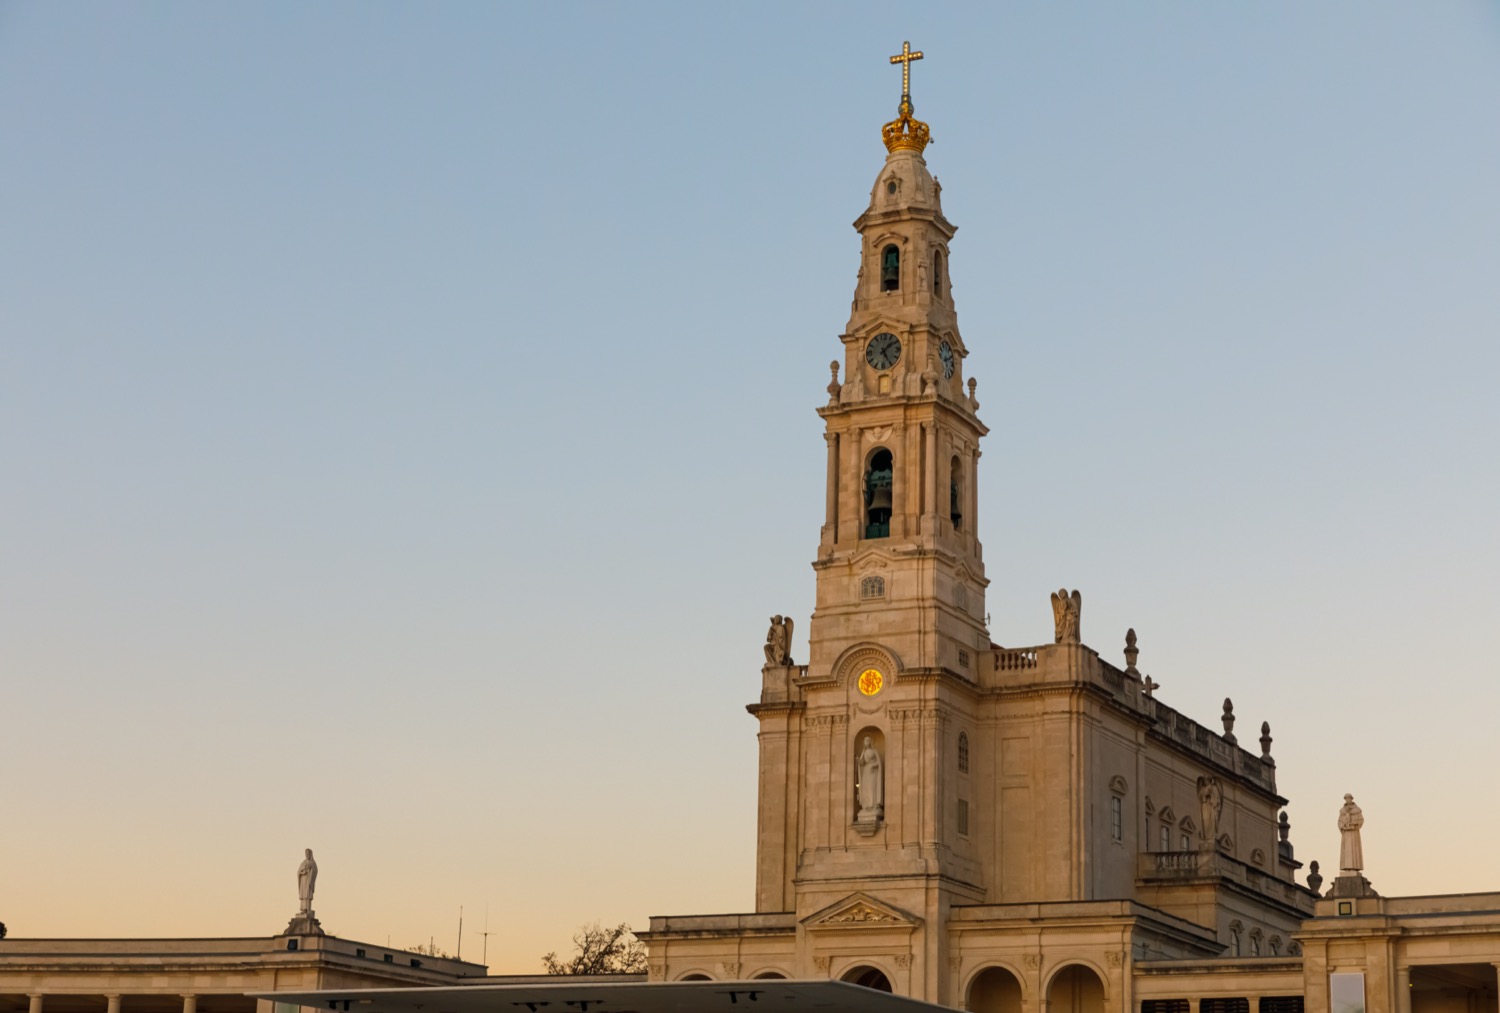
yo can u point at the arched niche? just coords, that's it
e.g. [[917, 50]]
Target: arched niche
[[875, 812], [869, 977], [767, 975], [695, 976], [1076, 989], [994, 990]]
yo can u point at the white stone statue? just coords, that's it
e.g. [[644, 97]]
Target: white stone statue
[[1067, 612], [307, 878], [1351, 855], [871, 782], [1210, 803], [779, 641]]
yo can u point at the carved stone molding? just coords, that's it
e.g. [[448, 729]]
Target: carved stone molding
[[822, 721], [914, 714], [1032, 960], [902, 959], [861, 913], [658, 970], [1115, 959], [731, 970], [821, 963]]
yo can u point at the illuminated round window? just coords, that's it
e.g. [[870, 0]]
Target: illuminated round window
[[870, 681]]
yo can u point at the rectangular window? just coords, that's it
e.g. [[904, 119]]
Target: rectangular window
[[1167, 1006], [1346, 992], [963, 658], [1116, 818], [1166, 838], [1224, 1006], [963, 817], [1281, 1004], [1187, 843]]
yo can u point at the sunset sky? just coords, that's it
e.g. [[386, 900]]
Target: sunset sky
[[407, 424]]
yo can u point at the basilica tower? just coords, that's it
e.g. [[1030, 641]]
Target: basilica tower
[[858, 797]]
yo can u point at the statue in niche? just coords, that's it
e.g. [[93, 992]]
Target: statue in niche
[[307, 879], [1210, 804], [779, 642], [871, 782], [1067, 611], [1351, 854]]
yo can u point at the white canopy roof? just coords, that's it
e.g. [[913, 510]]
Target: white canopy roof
[[759, 996]]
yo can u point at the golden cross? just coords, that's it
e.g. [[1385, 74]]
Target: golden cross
[[904, 58]]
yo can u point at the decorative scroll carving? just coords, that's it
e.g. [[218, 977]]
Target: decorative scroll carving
[[821, 962], [1032, 960], [862, 914], [902, 959], [824, 721], [731, 970], [1115, 958]]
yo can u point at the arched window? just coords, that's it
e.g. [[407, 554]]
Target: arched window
[[956, 492], [878, 480], [963, 752], [890, 269], [872, 587], [937, 272]]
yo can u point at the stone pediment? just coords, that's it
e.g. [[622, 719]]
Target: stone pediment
[[860, 910]]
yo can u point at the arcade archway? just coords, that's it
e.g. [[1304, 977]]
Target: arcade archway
[[994, 990], [1076, 989]]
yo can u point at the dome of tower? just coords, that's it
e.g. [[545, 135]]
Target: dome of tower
[[904, 182]]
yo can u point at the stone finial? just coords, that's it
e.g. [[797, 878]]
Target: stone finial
[[834, 387], [1265, 742], [1314, 878], [1284, 827], [973, 401], [1229, 721], [1149, 685], [1131, 652]]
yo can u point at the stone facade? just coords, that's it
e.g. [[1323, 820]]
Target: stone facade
[[202, 975], [1046, 832]]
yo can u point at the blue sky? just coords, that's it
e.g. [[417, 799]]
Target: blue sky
[[408, 422]]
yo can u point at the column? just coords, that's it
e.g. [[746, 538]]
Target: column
[[971, 518], [114, 1003], [929, 523], [1403, 988], [36, 1002], [831, 514], [189, 1004]]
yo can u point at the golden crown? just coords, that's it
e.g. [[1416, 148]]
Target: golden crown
[[905, 132]]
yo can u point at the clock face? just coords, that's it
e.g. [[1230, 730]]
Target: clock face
[[870, 681], [945, 352], [883, 351]]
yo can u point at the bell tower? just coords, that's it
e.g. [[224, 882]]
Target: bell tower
[[899, 561]]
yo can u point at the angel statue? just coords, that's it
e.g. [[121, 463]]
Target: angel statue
[[1066, 611], [779, 641]]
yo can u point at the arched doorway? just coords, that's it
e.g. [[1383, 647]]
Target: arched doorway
[[1076, 989], [994, 990], [869, 977]]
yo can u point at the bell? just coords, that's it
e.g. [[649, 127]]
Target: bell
[[880, 498]]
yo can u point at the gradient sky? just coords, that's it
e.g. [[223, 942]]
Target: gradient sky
[[406, 423]]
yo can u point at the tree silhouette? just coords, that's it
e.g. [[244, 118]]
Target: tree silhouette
[[601, 951]]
